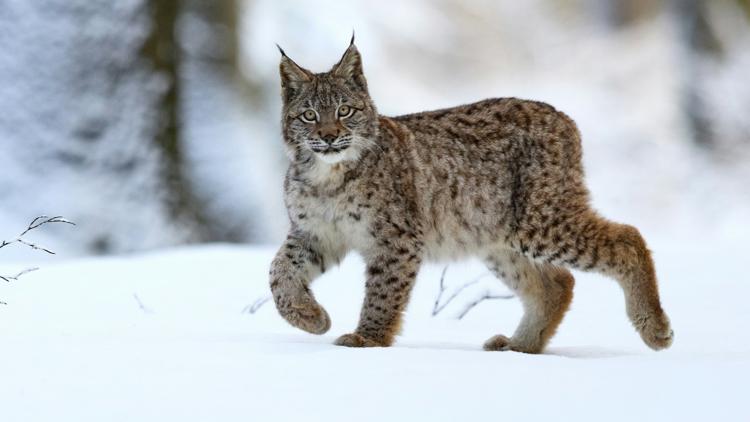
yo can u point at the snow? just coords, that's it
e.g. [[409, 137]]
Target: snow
[[166, 335], [163, 336]]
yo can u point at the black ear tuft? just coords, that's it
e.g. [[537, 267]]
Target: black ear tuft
[[350, 68], [292, 76], [281, 50], [351, 43]]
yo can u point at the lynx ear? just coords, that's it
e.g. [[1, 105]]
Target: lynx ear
[[292, 76], [350, 68]]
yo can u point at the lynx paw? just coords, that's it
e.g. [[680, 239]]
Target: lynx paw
[[302, 311], [356, 340], [497, 343], [502, 343], [656, 332]]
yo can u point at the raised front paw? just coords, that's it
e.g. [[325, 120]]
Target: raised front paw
[[356, 340], [302, 311]]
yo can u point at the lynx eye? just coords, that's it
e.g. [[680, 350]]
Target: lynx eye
[[345, 111], [309, 116]]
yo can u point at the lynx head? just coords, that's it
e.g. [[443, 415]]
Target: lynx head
[[327, 115]]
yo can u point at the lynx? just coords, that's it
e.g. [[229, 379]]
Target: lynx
[[500, 179]]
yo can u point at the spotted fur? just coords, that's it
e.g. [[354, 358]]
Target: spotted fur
[[500, 179]]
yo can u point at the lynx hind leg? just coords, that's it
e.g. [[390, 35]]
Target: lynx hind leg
[[545, 292], [619, 251]]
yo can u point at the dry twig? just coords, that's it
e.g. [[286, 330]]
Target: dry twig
[[486, 296], [8, 278], [438, 307], [259, 302], [35, 223], [141, 306]]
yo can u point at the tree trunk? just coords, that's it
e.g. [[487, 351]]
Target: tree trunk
[[627, 12], [700, 45], [162, 50]]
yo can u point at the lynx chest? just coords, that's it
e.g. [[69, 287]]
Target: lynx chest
[[334, 218]]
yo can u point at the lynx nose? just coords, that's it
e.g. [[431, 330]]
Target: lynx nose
[[329, 138], [328, 133]]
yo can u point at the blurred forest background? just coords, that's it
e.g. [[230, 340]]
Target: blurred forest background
[[153, 123]]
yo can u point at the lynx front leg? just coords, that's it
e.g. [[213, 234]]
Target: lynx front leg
[[390, 278], [297, 263]]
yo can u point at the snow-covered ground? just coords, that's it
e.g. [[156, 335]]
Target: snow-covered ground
[[167, 337]]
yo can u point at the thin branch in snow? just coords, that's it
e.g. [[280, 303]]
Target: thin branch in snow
[[8, 278], [438, 307], [142, 307], [36, 223], [42, 220], [33, 246], [486, 296], [259, 302]]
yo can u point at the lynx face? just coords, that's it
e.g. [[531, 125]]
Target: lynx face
[[329, 115]]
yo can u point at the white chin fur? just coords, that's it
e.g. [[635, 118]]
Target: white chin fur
[[333, 158]]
